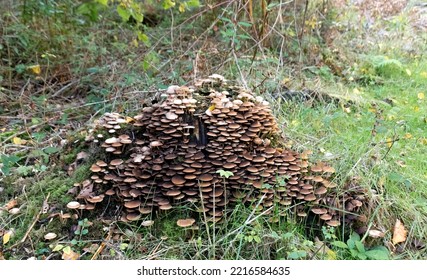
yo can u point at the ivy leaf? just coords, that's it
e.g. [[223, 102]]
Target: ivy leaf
[[51, 150], [297, 255]]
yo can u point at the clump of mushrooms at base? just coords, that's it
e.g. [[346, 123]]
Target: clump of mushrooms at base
[[170, 153]]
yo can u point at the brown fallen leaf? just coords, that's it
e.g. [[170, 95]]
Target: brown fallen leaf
[[68, 254], [399, 232], [11, 204]]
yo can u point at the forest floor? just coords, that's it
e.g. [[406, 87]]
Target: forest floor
[[347, 81]]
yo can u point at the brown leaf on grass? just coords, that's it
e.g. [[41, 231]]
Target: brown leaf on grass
[[399, 232], [11, 204]]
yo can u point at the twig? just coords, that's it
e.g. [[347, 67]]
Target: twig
[[32, 225], [102, 246]]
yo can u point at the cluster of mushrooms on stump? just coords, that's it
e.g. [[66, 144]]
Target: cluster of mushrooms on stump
[[174, 151]]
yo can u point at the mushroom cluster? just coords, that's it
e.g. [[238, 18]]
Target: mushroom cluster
[[179, 150]]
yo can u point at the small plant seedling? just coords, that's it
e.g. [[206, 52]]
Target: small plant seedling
[[225, 174]]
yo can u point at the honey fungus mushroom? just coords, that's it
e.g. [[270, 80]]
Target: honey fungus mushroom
[[170, 152]]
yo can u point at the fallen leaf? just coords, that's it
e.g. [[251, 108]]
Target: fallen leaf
[[408, 72], [11, 204], [18, 141], [68, 254], [375, 233], [35, 69], [421, 95], [399, 232], [389, 142], [6, 236], [401, 163]]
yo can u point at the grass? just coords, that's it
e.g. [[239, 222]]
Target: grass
[[369, 123]]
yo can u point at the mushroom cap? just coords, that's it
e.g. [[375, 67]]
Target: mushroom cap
[[178, 180], [132, 203], [133, 216], [147, 223], [50, 236], [205, 177], [333, 223], [73, 205], [116, 162], [185, 222]]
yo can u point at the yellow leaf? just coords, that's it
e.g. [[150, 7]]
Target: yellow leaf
[[129, 120], [6, 236], [407, 136], [331, 255], [135, 43], [67, 250], [181, 8], [408, 72], [70, 256], [416, 108], [35, 69], [18, 141], [389, 142], [423, 74], [212, 107], [421, 95], [356, 91], [399, 232]]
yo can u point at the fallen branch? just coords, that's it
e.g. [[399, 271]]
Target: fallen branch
[[102, 246]]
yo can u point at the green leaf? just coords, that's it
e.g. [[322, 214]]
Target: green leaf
[[354, 253], [77, 232], [378, 253], [167, 4], [73, 242], [144, 38], [38, 136], [67, 250], [135, 11], [103, 2], [123, 246], [51, 150], [351, 244], [362, 256], [257, 239], [244, 24], [355, 236], [360, 247], [297, 255], [193, 3], [340, 244], [85, 231], [58, 248], [123, 12]]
